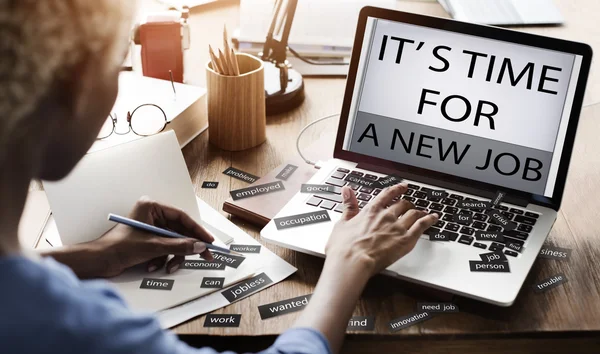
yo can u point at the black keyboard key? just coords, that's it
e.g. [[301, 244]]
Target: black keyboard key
[[314, 201], [339, 208], [467, 230], [452, 235], [452, 227], [525, 220], [410, 199], [510, 253], [432, 231], [420, 195], [376, 191], [524, 228], [337, 190], [465, 240], [364, 197], [362, 204], [532, 215], [496, 247], [426, 189], [434, 200], [336, 182], [508, 215], [366, 190], [448, 217], [516, 211], [331, 197], [437, 207], [494, 228], [465, 212], [516, 234], [457, 197], [413, 186], [479, 225], [449, 201], [422, 203], [343, 170], [354, 187], [421, 209], [326, 204], [356, 173], [501, 207], [439, 223], [373, 177], [338, 175], [409, 191], [480, 217], [479, 245], [451, 210], [471, 199]]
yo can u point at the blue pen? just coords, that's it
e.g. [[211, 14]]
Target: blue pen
[[162, 232]]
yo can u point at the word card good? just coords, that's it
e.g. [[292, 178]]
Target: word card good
[[241, 175], [498, 198], [515, 246], [463, 219], [245, 248], [497, 267], [361, 323], [286, 172], [550, 283], [283, 307], [211, 185], [388, 181], [228, 259], [493, 257], [302, 219], [436, 194], [502, 220], [218, 320], [212, 283], [317, 188], [489, 236], [407, 321], [468, 204], [257, 190], [555, 253], [157, 284], [434, 307], [246, 287], [365, 182], [200, 264]]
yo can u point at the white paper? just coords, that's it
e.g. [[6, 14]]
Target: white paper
[[275, 268]]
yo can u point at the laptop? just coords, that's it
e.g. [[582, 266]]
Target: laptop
[[462, 109]]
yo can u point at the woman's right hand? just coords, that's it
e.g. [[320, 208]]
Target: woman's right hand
[[383, 232]]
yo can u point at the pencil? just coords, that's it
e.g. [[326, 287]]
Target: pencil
[[162, 232], [224, 63], [236, 67], [217, 65], [226, 47]]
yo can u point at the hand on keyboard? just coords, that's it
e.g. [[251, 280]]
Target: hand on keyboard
[[384, 231]]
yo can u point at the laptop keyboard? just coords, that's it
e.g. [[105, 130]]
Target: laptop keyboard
[[460, 232]]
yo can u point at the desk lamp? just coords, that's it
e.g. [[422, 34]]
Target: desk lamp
[[284, 87]]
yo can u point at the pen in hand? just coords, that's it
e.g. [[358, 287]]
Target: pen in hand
[[163, 232]]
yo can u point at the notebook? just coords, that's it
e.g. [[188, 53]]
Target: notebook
[[504, 12]]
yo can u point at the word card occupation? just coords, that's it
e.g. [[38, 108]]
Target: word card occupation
[[241, 175], [283, 307], [218, 320], [302, 219], [550, 283], [257, 190], [286, 172]]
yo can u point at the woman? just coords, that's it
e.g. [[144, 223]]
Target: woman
[[59, 63]]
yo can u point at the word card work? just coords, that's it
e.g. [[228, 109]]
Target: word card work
[[555, 253], [257, 190], [502, 220], [245, 248], [283, 307], [493, 257], [482, 266], [200, 264], [241, 175], [228, 259], [436, 194], [302, 219], [361, 323], [218, 320], [317, 188], [157, 284], [550, 283], [433, 307], [388, 181], [489, 236], [468, 204], [212, 283], [211, 185], [409, 320], [246, 287], [286, 172]]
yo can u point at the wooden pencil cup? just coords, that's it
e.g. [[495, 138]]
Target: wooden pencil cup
[[236, 105]]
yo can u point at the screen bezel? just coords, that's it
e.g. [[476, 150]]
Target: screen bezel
[[481, 31]]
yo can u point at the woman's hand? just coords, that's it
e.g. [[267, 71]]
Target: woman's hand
[[383, 232], [123, 247]]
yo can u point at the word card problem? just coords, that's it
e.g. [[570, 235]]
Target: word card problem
[[241, 175]]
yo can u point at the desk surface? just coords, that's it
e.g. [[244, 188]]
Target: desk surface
[[572, 307]]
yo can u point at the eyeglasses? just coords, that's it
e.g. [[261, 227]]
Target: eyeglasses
[[147, 119]]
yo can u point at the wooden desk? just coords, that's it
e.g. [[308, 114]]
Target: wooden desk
[[565, 312]]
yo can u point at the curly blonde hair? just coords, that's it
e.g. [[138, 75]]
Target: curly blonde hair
[[41, 40]]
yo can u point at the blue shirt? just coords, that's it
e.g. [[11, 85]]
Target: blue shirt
[[45, 308]]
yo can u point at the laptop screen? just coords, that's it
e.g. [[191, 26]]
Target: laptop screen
[[464, 105]]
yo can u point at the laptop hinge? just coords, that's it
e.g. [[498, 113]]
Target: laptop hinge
[[483, 193]]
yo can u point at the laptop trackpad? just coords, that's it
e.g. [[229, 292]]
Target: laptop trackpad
[[426, 257]]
